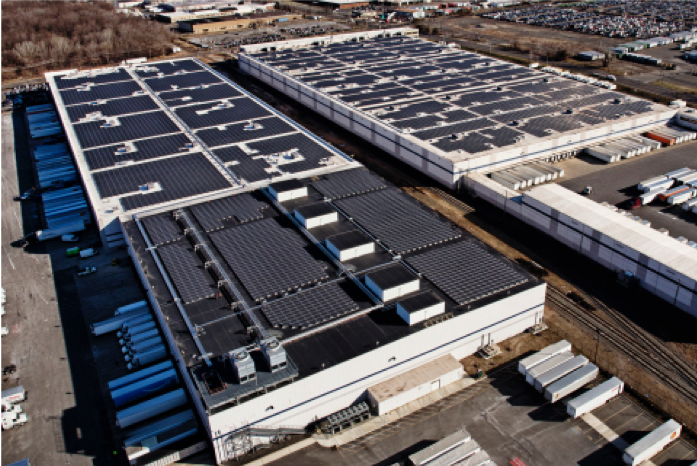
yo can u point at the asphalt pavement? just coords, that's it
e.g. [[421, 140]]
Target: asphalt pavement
[[47, 338]]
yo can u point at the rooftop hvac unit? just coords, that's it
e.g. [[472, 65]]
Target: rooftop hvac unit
[[243, 365], [274, 353]]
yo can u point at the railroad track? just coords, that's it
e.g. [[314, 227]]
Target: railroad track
[[633, 343], [449, 198]]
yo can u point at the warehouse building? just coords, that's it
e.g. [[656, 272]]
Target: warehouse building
[[147, 136], [235, 22], [660, 263], [289, 282], [445, 111]]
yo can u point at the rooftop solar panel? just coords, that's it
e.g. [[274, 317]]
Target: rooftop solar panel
[[166, 68], [456, 128], [269, 259], [129, 127], [162, 230], [69, 82], [101, 91], [145, 149], [216, 113], [397, 220], [241, 132], [167, 83], [347, 183], [243, 207], [186, 273], [114, 107], [178, 177], [199, 94], [465, 271], [410, 111], [505, 105], [310, 307]]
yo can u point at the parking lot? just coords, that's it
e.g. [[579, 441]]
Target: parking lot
[[616, 183], [509, 420]]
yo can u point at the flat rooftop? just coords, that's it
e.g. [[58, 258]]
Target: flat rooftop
[[287, 284], [154, 134], [459, 104]]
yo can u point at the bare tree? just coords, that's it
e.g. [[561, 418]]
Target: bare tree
[[27, 51]]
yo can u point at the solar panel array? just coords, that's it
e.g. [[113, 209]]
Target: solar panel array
[[438, 93], [162, 230], [97, 77], [310, 307], [465, 271], [145, 149], [347, 183], [129, 127], [185, 272], [141, 103], [160, 153], [398, 221], [268, 259], [100, 91], [243, 207], [178, 178]]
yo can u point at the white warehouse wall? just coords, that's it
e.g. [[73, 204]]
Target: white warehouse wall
[[653, 276], [335, 388]]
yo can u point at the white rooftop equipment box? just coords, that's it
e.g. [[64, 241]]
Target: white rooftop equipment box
[[287, 190], [347, 246], [316, 215], [420, 307], [392, 282]]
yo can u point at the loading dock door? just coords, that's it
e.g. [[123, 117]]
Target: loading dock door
[[435, 385]]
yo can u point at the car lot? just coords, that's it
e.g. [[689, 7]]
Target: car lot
[[651, 18], [509, 420], [616, 184]]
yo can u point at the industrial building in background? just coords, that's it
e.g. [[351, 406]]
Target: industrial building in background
[[287, 281], [442, 110]]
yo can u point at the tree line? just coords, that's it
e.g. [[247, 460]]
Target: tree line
[[46, 35]]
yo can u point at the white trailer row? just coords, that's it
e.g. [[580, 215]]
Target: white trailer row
[[623, 148], [650, 445], [594, 398], [559, 372], [530, 174], [546, 366], [571, 382], [543, 355]]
